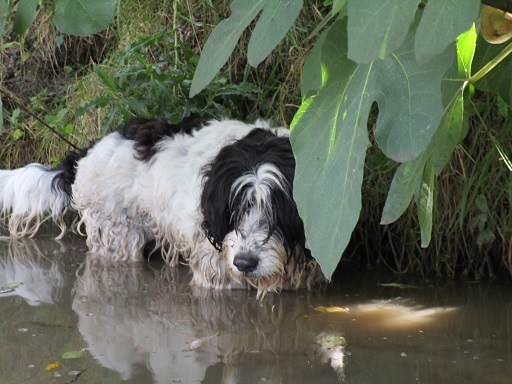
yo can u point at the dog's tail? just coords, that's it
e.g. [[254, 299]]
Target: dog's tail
[[33, 194]]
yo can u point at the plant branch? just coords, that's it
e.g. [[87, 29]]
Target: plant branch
[[491, 64], [504, 5], [11, 96]]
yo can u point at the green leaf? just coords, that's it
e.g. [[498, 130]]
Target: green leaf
[[4, 14], [440, 25], [377, 28], [505, 84], [409, 100], [106, 79], [479, 221], [24, 17], [83, 17], [329, 139], [69, 129], [452, 129], [14, 116], [466, 47], [425, 203], [481, 204], [484, 53], [337, 6], [17, 134], [275, 21], [405, 181], [454, 125], [408, 176], [138, 107], [313, 68], [222, 42], [74, 354], [485, 237], [329, 134]]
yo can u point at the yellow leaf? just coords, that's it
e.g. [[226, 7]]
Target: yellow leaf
[[52, 366], [496, 25], [331, 309]]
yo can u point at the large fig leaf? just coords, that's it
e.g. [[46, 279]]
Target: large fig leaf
[[408, 176], [414, 175], [24, 17], [275, 20], [329, 134], [441, 23], [377, 28], [83, 17], [222, 42], [4, 13], [312, 80]]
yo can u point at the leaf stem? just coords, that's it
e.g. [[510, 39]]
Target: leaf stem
[[490, 65]]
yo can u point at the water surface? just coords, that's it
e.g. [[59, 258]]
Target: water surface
[[65, 317]]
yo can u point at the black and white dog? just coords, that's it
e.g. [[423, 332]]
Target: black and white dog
[[218, 193]]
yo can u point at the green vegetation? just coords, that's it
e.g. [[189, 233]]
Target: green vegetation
[[399, 119]]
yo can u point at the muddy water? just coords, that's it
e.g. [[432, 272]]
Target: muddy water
[[65, 318]]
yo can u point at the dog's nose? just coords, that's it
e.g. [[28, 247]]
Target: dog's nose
[[246, 262]]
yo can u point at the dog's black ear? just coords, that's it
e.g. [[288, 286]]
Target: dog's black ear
[[215, 202], [290, 224], [220, 214]]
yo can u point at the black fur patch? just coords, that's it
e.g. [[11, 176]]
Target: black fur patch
[[66, 178], [147, 133], [244, 156]]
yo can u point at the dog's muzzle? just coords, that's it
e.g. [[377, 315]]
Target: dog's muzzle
[[246, 262]]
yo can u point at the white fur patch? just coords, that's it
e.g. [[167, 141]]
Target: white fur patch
[[260, 184], [28, 199]]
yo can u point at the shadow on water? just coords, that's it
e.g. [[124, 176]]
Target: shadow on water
[[145, 324]]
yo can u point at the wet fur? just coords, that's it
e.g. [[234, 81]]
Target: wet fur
[[217, 193]]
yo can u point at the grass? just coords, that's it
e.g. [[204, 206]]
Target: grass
[[472, 226]]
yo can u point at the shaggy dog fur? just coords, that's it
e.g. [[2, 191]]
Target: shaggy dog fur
[[217, 193]]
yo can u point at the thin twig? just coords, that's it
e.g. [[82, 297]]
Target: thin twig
[[15, 99]]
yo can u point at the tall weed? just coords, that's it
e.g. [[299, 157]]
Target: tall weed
[[148, 81]]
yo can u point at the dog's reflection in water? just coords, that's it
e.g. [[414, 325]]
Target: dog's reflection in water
[[146, 319], [36, 269], [131, 316]]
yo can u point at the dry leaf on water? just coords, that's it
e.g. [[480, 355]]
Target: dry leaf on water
[[52, 366], [331, 309]]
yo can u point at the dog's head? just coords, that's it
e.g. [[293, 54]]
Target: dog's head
[[249, 212]]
